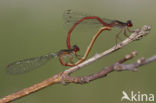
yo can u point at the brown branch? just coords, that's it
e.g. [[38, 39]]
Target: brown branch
[[66, 78], [115, 67]]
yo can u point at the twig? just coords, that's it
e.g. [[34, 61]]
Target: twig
[[66, 78], [115, 67]]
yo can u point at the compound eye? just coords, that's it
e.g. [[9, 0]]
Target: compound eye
[[76, 49], [129, 23]]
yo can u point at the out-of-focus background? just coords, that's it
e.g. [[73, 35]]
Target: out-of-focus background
[[30, 28]]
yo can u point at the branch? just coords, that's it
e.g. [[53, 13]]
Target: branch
[[118, 66], [65, 77]]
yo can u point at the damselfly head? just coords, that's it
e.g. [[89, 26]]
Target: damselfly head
[[129, 23], [76, 48]]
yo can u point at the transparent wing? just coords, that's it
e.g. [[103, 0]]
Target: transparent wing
[[71, 17], [30, 64]]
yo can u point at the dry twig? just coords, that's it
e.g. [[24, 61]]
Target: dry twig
[[65, 77]]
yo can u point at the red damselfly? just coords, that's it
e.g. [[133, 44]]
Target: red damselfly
[[107, 24], [77, 18]]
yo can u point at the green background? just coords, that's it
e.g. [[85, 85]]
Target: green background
[[30, 28]]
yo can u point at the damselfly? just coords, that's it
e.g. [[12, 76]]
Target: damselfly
[[77, 18], [30, 64]]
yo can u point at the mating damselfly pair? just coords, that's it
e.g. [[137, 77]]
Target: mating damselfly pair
[[75, 18]]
